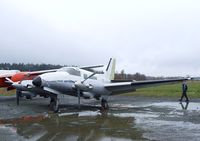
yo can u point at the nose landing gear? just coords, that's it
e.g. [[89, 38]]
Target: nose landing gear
[[104, 104], [54, 104]]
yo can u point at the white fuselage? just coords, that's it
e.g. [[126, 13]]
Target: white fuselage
[[64, 79]]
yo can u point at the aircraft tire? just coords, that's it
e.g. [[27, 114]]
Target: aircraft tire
[[54, 106], [104, 104], [28, 97]]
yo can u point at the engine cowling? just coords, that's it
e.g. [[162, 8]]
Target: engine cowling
[[83, 87], [87, 95], [37, 81]]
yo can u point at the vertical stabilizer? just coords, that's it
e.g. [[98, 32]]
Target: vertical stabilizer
[[110, 69]]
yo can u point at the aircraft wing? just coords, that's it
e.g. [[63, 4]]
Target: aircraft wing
[[122, 87], [41, 72]]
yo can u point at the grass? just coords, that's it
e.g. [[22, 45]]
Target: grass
[[170, 90], [4, 92]]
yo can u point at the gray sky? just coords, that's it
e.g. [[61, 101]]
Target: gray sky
[[153, 37]]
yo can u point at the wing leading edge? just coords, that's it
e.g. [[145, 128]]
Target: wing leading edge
[[122, 87]]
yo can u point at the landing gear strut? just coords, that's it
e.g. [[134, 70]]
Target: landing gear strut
[[104, 104], [18, 94], [54, 104]]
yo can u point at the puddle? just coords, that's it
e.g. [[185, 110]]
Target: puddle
[[122, 122], [85, 125], [172, 121], [178, 105]]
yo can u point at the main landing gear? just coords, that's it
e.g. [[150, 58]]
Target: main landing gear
[[54, 104], [104, 104]]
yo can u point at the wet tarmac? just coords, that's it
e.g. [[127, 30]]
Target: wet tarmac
[[129, 118]]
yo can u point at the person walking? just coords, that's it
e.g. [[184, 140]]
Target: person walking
[[184, 91]]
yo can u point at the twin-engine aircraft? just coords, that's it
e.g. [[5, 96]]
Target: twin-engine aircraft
[[82, 82], [19, 76]]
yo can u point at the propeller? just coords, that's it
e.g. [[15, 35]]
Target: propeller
[[80, 86], [17, 86], [37, 81]]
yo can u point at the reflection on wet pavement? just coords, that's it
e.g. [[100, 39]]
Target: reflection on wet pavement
[[75, 126], [152, 121]]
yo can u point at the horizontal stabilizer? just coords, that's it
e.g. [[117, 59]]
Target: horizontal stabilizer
[[91, 68]]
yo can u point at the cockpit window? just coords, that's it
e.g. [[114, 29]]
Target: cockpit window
[[72, 71]]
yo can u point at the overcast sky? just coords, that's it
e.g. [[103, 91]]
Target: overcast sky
[[153, 37]]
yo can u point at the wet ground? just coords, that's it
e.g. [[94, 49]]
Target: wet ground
[[129, 118]]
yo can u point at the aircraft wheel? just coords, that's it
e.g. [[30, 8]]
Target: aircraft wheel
[[104, 104], [51, 103], [46, 96], [28, 97], [54, 105]]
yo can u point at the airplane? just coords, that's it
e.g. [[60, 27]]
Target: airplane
[[18, 76], [6, 74], [24, 77], [81, 82]]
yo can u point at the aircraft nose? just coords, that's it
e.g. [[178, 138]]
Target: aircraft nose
[[37, 81]]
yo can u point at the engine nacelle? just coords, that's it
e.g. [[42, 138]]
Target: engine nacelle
[[87, 95], [83, 87]]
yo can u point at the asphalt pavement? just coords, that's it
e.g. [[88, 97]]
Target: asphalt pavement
[[129, 118]]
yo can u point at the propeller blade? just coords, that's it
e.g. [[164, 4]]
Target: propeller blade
[[88, 77], [9, 81]]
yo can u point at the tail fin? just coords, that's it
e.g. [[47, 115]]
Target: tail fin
[[110, 69]]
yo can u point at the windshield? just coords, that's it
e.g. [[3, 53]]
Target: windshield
[[70, 70]]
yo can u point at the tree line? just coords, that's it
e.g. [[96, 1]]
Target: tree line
[[138, 76], [28, 67], [123, 76]]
